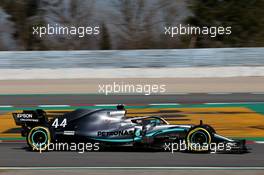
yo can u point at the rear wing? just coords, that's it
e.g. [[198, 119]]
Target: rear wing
[[30, 117]]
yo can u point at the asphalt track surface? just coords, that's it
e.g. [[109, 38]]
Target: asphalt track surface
[[16, 154], [68, 99]]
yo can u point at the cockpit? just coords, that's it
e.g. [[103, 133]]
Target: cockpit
[[152, 120]]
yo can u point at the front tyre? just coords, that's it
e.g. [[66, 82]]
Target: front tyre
[[199, 139], [39, 138]]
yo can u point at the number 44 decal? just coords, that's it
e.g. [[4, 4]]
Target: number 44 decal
[[56, 124]]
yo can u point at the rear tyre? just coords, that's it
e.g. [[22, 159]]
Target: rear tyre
[[39, 138]]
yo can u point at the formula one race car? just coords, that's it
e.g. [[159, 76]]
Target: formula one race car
[[111, 127]]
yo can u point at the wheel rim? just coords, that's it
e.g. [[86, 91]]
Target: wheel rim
[[199, 137], [39, 138]]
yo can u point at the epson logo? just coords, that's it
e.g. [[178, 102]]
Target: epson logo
[[24, 116]]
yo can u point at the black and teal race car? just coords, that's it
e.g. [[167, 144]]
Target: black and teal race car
[[111, 127]]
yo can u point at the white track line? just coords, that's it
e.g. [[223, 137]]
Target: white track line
[[179, 93], [217, 103], [44, 106], [257, 93], [6, 106], [259, 142], [233, 103], [106, 104], [160, 104]]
